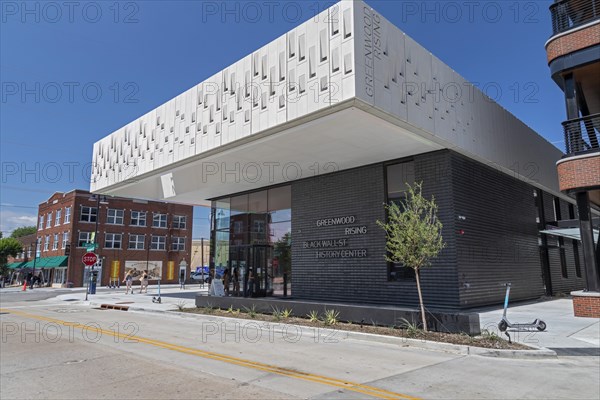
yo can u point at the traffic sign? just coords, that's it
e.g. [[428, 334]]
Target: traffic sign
[[91, 246], [89, 259]]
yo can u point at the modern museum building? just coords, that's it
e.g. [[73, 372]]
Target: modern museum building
[[298, 146]]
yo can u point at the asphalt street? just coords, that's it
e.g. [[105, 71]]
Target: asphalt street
[[60, 350]]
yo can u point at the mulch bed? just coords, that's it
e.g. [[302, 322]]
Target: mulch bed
[[490, 341]]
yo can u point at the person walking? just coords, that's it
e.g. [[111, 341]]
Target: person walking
[[182, 279], [236, 281], [226, 281], [144, 282], [250, 283], [128, 281]]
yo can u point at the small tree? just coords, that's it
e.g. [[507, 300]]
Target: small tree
[[9, 247], [414, 234]]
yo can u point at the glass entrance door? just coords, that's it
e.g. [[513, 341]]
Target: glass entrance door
[[261, 257]]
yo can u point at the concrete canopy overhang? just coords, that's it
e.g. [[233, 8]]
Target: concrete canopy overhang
[[342, 137]]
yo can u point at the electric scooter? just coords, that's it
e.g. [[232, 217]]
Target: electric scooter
[[157, 299], [504, 324]]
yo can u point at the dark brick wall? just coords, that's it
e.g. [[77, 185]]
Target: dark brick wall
[[361, 193], [500, 240], [490, 231]]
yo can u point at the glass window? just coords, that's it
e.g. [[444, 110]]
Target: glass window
[[41, 225], [221, 218], [49, 220], [60, 275], [179, 221], [257, 202], [46, 242], [65, 240], [177, 243], [138, 218], [114, 216], [84, 239], [398, 176], [254, 225], [58, 215], [55, 242], [136, 242], [280, 204], [67, 214], [113, 241], [88, 214], [158, 243], [159, 220]]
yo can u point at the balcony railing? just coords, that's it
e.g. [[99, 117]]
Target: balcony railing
[[569, 14], [582, 134]]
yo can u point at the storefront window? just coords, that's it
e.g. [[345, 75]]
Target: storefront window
[[59, 276], [221, 236], [253, 232]]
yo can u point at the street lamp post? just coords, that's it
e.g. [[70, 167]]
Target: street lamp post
[[35, 244], [99, 200]]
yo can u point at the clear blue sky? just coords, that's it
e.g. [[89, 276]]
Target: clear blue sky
[[70, 76]]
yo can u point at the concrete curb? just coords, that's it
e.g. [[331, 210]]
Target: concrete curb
[[333, 334]]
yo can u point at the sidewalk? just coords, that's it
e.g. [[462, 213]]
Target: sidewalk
[[171, 297], [565, 332]]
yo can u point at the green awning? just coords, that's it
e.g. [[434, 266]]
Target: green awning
[[47, 262], [16, 265]]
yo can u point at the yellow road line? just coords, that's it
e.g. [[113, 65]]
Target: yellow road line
[[343, 384]]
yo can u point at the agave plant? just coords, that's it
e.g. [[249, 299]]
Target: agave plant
[[331, 317]]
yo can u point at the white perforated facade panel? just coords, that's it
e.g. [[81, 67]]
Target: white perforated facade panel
[[347, 54]]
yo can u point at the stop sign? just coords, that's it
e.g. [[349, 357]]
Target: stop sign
[[89, 259]]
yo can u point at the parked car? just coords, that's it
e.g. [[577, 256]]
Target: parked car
[[199, 275]]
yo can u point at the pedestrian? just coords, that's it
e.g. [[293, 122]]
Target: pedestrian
[[226, 281], [30, 280], [182, 279], [128, 281], [250, 283], [236, 281], [144, 282]]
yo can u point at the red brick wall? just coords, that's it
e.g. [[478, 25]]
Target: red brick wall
[[579, 172], [586, 306], [572, 42]]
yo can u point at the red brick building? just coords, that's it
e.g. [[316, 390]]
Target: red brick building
[[128, 234]]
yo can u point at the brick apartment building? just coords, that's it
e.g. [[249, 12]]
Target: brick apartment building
[[128, 234]]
